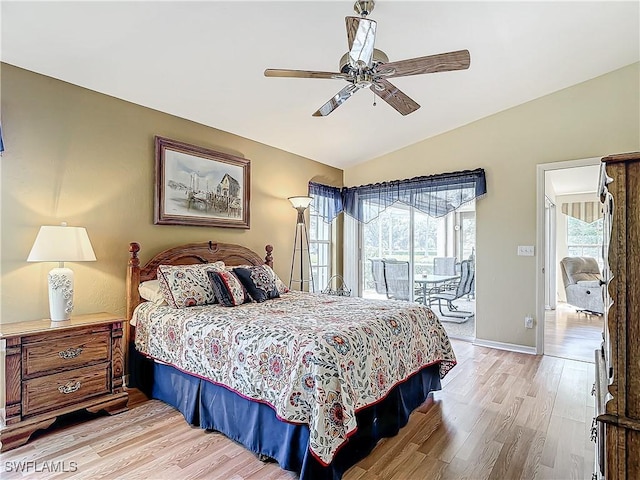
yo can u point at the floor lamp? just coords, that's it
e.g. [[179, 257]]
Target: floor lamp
[[300, 243]]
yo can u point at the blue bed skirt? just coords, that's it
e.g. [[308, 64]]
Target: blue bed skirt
[[255, 425]]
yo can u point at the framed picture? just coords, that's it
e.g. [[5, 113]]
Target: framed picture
[[198, 186]]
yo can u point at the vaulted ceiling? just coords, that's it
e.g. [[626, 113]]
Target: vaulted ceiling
[[204, 61]]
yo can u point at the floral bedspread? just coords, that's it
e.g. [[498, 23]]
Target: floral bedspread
[[316, 359]]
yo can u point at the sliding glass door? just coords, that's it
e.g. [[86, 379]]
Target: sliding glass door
[[429, 241], [386, 237], [403, 233]]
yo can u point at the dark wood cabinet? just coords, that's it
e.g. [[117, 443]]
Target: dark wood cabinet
[[618, 362]]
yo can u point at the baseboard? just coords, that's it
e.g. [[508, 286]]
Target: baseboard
[[512, 347]]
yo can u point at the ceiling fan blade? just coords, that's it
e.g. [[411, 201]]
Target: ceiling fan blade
[[361, 36], [443, 62], [341, 97], [274, 72], [394, 97]]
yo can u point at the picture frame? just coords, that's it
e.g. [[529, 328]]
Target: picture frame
[[199, 186]]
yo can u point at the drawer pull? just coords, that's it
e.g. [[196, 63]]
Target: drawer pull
[[70, 353], [70, 387]]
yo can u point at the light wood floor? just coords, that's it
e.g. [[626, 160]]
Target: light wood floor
[[572, 335], [500, 415]]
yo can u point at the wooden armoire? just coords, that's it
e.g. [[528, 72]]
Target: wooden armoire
[[617, 387]]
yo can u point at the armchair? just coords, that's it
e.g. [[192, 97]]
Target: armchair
[[583, 284]]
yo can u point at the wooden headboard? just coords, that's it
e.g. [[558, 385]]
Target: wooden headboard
[[191, 253]]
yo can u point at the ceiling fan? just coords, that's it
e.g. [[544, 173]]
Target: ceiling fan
[[364, 66]]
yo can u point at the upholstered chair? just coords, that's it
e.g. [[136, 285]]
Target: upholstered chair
[[583, 284]]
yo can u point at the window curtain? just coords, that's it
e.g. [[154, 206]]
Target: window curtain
[[327, 200], [435, 195]]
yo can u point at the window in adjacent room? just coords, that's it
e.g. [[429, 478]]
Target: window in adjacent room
[[585, 239]]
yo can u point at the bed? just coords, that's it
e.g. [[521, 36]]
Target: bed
[[310, 380]]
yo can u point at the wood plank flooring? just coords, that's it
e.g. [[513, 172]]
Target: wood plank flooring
[[572, 335], [500, 415]]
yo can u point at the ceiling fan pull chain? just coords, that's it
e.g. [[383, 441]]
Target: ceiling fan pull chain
[[374, 99]]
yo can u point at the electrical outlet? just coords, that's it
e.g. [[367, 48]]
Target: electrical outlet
[[528, 321]]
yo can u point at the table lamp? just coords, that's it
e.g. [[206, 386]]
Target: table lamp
[[61, 244]]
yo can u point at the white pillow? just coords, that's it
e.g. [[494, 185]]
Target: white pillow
[[150, 291]]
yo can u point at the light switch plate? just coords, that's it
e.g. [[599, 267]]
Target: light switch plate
[[526, 250]]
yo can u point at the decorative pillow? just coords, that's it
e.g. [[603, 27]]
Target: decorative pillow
[[188, 285], [260, 282], [151, 292], [280, 285], [228, 289]]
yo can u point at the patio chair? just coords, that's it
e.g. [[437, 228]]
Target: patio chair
[[444, 265], [463, 287], [396, 279], [377, 271]]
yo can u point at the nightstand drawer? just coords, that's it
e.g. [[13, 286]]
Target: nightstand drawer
[[67, 352], [54, 391]]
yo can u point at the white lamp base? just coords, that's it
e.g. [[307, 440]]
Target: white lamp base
[[60, 293]]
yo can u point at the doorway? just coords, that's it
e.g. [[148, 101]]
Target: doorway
[[567, 191]]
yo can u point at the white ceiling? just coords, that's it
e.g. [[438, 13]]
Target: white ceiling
[[204, 61], [576, 180]]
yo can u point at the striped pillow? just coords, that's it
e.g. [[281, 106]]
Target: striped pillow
[[228, 288]]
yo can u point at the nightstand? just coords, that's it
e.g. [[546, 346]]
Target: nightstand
[[56, 368]]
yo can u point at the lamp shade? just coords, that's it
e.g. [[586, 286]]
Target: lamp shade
[[300, 202], [62, 244]]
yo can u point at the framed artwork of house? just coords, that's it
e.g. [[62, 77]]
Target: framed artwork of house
[[199, 186]]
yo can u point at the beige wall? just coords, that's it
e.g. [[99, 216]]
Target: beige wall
[[88, 159], [591, 119]]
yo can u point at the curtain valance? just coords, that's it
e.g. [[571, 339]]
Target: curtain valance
[[434, 195], [327, 200], [586, 211]]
